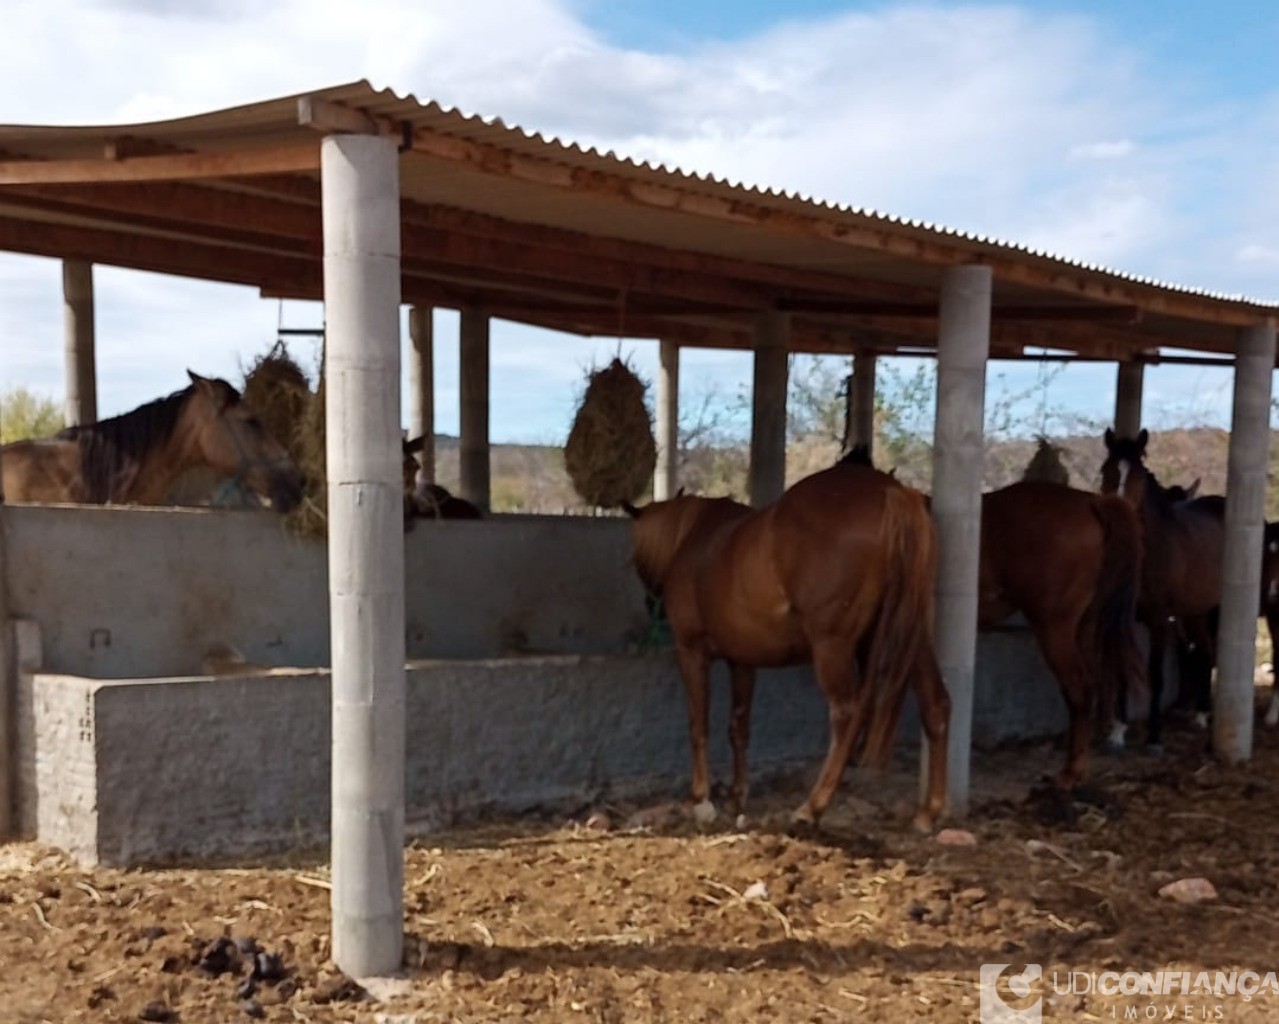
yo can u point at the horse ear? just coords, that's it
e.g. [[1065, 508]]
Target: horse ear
[[415, 445], [680, 493], [631, 510], [1109, 438], [1142, 438], [1193, 489]]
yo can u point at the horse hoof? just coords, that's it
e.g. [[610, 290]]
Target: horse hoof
[[1155, 749], [704, 812], [923, 822], [1200, 721], [741, 823], [1114, 746], [1272, 717]]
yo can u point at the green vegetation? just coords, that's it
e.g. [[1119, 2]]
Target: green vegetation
[[24, 413]]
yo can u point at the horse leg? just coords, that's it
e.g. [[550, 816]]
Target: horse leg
[[1155, 668], [1060, 644], [848, 700], [694, 669], [934, 717], [1272, 624], [739, 729]]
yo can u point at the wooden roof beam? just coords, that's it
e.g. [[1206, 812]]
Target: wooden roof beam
[[289, 159]]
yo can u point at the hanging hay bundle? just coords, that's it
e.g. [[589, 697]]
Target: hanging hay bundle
[[310, 518], [279, 393], [278, 390], [1046, 464], [611, 452]]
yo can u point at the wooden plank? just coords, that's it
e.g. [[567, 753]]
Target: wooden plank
[[326, 116], [290, 159]]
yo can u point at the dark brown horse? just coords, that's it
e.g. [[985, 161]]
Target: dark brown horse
[[1181, 571], [1069, 561], [135, 458], [430, 501], [838, 572]]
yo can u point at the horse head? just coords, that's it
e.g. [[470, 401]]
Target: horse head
[[230, 437], [1124, 472]]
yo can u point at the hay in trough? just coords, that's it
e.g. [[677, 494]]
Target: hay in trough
[[1046, 464], [611, 452]]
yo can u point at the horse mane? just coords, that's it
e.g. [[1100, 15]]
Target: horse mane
[[112, 450]]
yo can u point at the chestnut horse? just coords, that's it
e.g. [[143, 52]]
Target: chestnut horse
[[1181, 571], [839, 573], [135, 458]]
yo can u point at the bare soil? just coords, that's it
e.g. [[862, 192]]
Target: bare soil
[[626, 913]]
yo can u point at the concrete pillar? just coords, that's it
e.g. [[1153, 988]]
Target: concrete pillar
[[963, 344], [81, 369], [861, 402], [1128, 399], [1245, 525], [361, 215], [473, 357], [666, 476], [768, 409], [422, 388]]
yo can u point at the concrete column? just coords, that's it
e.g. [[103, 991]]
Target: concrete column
[[81, 369], [422, 388], [666, 476], [361, 215], [768, 409], [963, 343], [1128, 399], [473, 357], [861, 400], [1245, 525]]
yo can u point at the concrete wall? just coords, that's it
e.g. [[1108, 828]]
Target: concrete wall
[[135, 771], [128, 593]]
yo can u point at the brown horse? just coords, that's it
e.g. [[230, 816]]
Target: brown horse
[[135, 458], [839, 573], [430, 501], [1070, 562], [1181, 571]]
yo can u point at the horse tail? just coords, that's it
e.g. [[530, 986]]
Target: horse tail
[[1113, 611], [903, 630]]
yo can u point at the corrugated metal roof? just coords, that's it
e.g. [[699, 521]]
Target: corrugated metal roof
[[473, 184]]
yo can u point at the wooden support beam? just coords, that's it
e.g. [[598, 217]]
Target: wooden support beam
[[289, 159]]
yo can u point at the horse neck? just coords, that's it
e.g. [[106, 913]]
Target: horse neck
[[136, 458], [693, 520]]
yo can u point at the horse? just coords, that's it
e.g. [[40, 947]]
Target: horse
[[1069, 561], [135, 458], [430, 501], [1181, 577], [837, 573], [1270, 606]]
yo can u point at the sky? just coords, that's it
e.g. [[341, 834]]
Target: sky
[[1142, 136]]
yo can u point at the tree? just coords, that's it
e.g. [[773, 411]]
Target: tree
[[24, 413]]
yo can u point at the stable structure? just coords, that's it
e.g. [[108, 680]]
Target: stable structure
[[367, 200]]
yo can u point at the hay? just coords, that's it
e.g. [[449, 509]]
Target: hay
[[611, 452], [280, 394], [1046, 464]]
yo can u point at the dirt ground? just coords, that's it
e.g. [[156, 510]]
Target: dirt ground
[[620, 914]]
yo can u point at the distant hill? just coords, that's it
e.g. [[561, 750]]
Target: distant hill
[[532, 478]]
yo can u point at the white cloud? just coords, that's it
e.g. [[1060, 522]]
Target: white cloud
[[1000, 120]]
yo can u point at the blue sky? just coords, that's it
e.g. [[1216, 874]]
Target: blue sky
[[1142, 136]]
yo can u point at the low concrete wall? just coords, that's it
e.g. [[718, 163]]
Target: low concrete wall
[[131, 592], [133, 771]]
